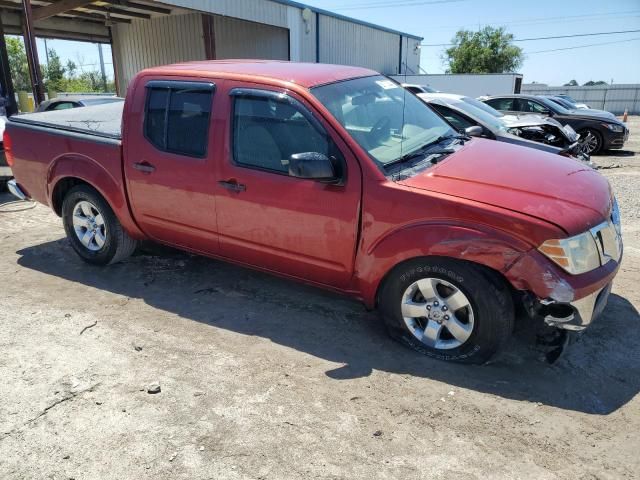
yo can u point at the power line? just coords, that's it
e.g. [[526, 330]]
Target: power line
[[583, 46], [542, 20], [575, 35], [544, 38]]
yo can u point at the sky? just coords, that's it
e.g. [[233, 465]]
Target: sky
[[84, 54], [438, 20]]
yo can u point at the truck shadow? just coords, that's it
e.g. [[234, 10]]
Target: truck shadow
[[597, 374]]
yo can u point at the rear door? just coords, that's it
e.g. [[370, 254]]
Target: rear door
[[295, 226], [168, 161]]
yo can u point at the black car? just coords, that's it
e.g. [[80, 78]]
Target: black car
[[606, 132], [572, 106], [476, 118]]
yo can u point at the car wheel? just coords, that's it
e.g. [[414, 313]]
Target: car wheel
[[447, 309], [93, 229], [593, 145]]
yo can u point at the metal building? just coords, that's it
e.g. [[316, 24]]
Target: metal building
[[145, 33]]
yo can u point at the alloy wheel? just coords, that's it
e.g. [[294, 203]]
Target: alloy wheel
[[89, 225], [437, 313]]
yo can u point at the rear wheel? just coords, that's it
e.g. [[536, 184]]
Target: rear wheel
[[93, 229], [447, 309]]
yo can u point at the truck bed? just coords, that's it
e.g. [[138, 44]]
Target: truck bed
[[99, 120]]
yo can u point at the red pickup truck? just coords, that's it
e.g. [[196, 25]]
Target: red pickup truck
[[338, 177]]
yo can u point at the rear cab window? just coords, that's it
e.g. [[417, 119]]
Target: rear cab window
[[177, 116]]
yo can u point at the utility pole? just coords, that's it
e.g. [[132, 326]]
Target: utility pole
[[102, 72], [46, 51]]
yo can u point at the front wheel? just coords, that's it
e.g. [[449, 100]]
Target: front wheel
[[593, 141], [447, 309], [93, 229]]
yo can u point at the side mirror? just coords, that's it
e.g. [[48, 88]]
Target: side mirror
[[475, 131], [311, 165]]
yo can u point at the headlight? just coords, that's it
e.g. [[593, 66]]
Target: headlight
[[576, 255], [614, 127]]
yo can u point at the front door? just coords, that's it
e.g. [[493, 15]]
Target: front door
[[169, 163], [299, 227]]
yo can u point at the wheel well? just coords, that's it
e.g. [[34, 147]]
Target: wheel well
[[60, 191], [489, 272]]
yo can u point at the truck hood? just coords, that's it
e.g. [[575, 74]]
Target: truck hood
[[557, 189]]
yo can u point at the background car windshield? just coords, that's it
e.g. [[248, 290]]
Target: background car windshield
[[491, 121], [482, 106], [554, 107], [385, 119]]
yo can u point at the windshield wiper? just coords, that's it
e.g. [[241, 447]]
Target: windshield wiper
[[425, 149]]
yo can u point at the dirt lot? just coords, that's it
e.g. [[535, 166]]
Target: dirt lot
[[262, 378]]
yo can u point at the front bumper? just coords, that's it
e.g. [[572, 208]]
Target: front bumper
[[616, 140], [16, 191], [576, 315]]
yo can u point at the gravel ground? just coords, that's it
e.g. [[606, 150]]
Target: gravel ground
[[261, 378]]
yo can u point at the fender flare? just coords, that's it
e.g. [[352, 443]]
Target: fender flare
[[483, 245], [87, 170]]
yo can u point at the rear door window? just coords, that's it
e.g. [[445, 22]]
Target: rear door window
[[178, 115], [530, 106], [506, 104]]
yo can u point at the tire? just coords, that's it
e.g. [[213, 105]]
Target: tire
[[109, 243], [481, 326], [598, 142]]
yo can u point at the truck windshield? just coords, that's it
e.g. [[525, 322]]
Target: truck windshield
[[385, 119]]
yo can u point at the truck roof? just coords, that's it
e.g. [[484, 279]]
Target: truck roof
[[307, 75]]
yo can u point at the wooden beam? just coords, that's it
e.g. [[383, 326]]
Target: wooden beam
[[116, 11], [140, 6], [71, 14], [59, 7]]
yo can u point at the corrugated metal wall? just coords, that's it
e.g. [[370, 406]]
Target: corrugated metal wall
[[348, 43], [270, 13], [242, 39], [159, 41], [612, 98]]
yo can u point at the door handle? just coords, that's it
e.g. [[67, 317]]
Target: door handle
[[232, 185], [144, 167]]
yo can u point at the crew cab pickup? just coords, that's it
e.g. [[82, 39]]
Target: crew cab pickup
[[338, 177]]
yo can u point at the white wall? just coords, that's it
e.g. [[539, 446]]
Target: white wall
[[242, 39], [348, 43], [159, 41], [466, 84]]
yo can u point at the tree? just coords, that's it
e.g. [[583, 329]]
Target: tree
[[591, 83], [571, 83], [53, 73], [18, 64], [489, 50]]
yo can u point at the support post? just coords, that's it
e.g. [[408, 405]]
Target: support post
[[6, 83], [32, 54]]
